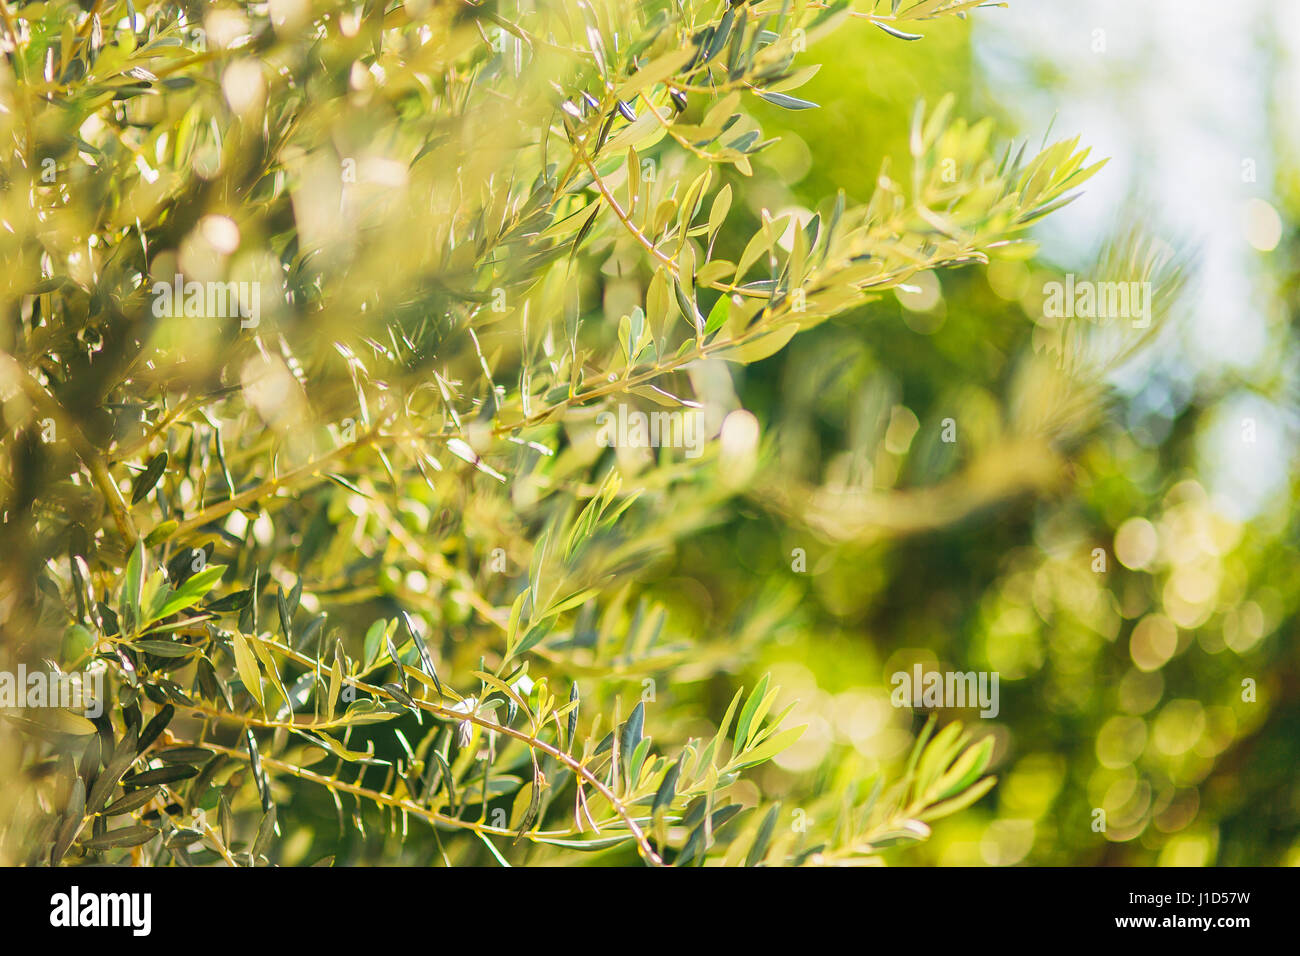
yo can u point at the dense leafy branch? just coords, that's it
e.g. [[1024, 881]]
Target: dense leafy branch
[[426, 197]]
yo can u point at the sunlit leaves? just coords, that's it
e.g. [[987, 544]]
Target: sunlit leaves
[[246, 665], [470, 239]]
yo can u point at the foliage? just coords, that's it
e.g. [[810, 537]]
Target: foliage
[[1186, 755], [358, 545]]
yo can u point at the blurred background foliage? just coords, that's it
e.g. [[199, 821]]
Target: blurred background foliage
[[1122, 690], [1069, 539]]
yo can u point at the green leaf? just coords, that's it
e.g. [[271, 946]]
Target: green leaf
[[572, 601], [235, 601], [895, 32], [747, 715], [263, 652], [572, 727], [132, 586], [942, 750], [173, 649], [51, 720], [771, 747], [966, 770], [161, 533], [758, 850], [718, 214], [74, 818], [761, 347], [535, 568], [152, 596], [125, 837], [345, 483], [123, 756], [786, 101], [246, 665], [161, 775], [373, 642], [534, 636], [336, 684], [667, 787], [155, 727], [190, 593], [959, 802], [426, 659], [190, 755], [265, 830], [132, 801], [336, 748], [632, 730], [718, 315], [583, 846], [147, 479], [725, 725], [367, 711], [286, 615]]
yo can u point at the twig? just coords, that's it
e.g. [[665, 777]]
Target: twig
[[643, 843]]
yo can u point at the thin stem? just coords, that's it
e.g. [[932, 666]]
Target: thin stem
[[681, 140], [623, 384], [381, 798], [623, 217], [643, 844]]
